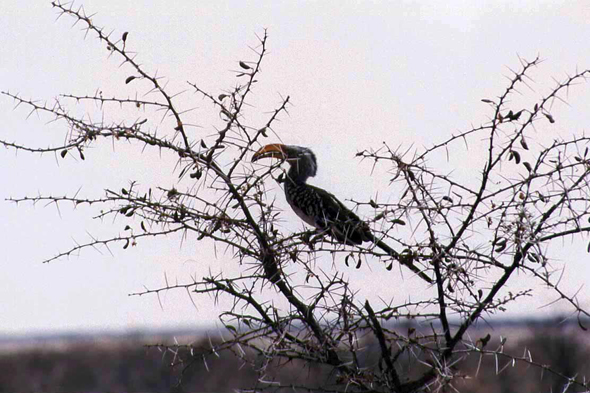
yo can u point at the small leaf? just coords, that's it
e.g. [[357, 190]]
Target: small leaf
[[203, 145], [126, 244], [82, 155], [500, 244], [487, 101], [523, 143], [516, 155], [346, 260], [584, 328], [485, 340], [196, 175], [244, 65], [127, 227], [446, 198], [129, 79], [549, 117], [533, 257], [398, 221], [516, 116], [358, 265], [221, 97], [143, 227], [63, 153], [528, 166], [389, 267], [125, 34], [124, 191]]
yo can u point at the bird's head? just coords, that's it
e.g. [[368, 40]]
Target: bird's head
[[302, 160]]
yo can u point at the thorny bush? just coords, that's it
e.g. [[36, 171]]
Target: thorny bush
[[472, 236]]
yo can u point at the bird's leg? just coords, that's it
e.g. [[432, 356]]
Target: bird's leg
[[311, 237]]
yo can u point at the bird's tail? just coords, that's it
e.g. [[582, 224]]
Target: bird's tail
[[406, 261]]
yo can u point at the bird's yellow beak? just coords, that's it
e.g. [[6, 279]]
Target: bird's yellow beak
[[274, 150]]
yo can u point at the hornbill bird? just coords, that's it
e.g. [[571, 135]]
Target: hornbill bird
[[318, 207]]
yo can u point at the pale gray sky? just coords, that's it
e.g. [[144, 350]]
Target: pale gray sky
[[358, 73]]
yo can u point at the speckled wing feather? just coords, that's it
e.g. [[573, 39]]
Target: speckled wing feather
[[323, 210]]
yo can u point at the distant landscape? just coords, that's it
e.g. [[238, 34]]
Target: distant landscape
[[113, 362]]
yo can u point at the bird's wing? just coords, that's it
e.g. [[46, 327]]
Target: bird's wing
[[343, 223]]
